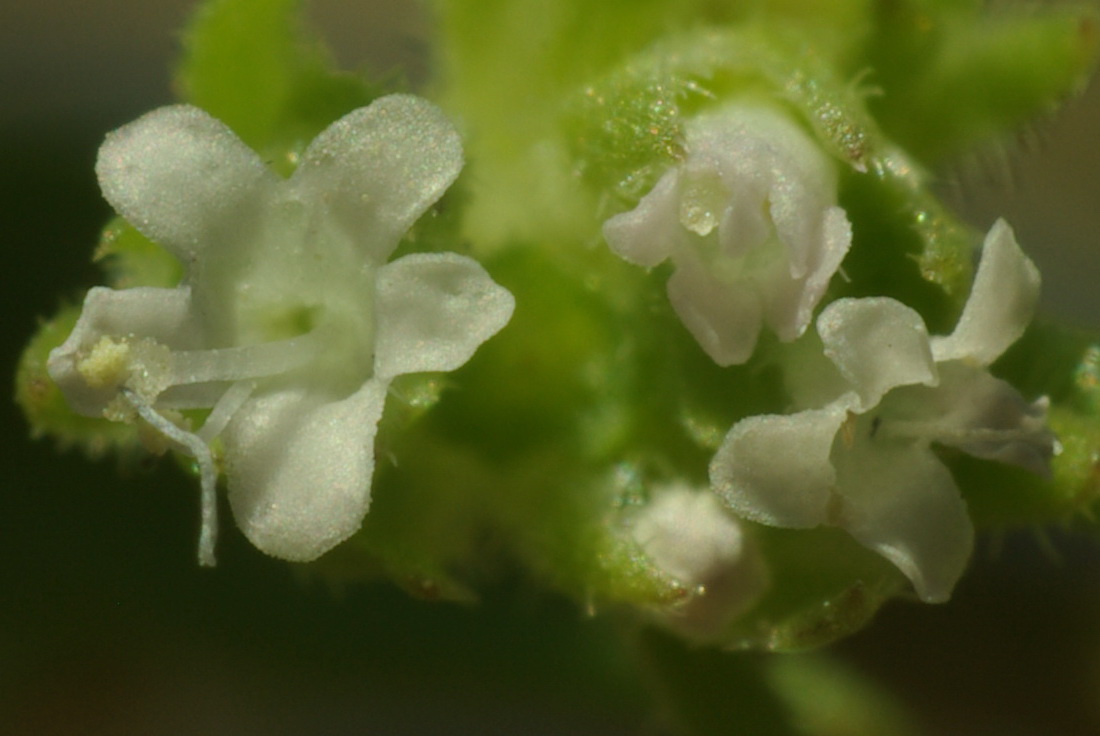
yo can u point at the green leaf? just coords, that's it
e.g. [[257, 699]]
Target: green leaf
[[251, 64], [824, 586], [905, 243], [830, 698], [131, 259], [953, 76], [510, 69]]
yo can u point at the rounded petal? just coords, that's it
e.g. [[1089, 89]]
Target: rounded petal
[[649, 233], [878, 344], [776, 470], [163, 315], [689, 536], [724, 319], [300, 469], [1001, 304], [433, 310], [177, 173], [379, 168], [899, 500]]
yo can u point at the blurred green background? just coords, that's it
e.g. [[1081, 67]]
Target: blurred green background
[[107, 625]]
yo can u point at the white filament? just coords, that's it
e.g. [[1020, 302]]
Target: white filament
[[223, 411], [248, 361], [193, 445]]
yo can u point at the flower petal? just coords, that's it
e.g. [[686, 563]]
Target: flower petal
[[379, 168], [724, 319], [878, 344], [689, 536], [836, 239], [433, 310], [1001, 304], [163, 315], [177, 174], [802, 184], [745, 225], [300, 469], [899, 500], [776, 470], [791, 300], [649, 233], [979, 414]]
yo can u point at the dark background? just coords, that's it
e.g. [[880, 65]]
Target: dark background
[[107, 626]]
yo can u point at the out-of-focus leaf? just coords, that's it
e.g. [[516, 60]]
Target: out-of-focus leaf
[[954, 74], [131, 259], [252, 65]]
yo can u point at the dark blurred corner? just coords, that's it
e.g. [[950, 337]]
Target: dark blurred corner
[[108, 627]]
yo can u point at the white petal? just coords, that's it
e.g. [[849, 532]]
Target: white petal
[[724, 318], [877, 343], [836, 239], [777, 469], [1001, 304], [379, 168], [300, 469], [795, 213], [178, 175], [433, 310], [900, 501], [689, 536], [163, 315], [979, 414], [800, 178], [649, 233], [745, 225], [791, 301], [145, 312]]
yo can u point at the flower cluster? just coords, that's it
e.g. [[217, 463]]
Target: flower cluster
[[864, 461], [291, 321], [750, 222]]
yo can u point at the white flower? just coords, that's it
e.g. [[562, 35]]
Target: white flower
[[289, 324], [750, 222], [689, 537], [864, 461]]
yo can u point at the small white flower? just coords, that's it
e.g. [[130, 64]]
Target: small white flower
[[689, 537], [750, 222], [864, 462], [289, 324]]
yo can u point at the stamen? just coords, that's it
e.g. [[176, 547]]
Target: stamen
[[248, 361], [233, 398], [208, 475]]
